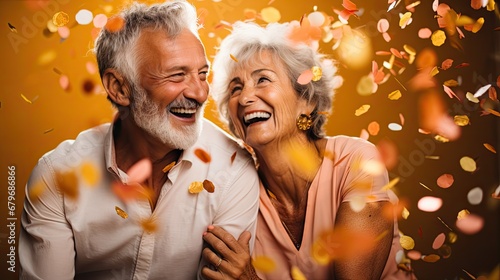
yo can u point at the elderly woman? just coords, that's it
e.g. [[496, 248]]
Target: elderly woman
[[324, 211]]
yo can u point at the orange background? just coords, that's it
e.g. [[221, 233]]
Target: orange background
[[30, 130]]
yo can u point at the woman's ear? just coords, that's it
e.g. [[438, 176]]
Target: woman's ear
[[116, 86]]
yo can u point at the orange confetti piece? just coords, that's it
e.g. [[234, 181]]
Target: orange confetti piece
[[264, 264], [445, 181], [168, 167], [208, 186], [438, 241], [233, 58], [140, 171], [195, 187], [305, 77], [490, 148], [431, 258], [131, 192], [491, 111], [26, 99], [233, 156], [120, 212], [446, 64], [67, 183], [114, 24], [203, 155], [373, 128], [149, 225]]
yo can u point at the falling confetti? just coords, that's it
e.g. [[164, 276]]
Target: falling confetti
[[48, 130], [361, 110], [84, 17], [468, 164], [26, 99], [395, 95], [203, 155], [475, 196], [233, 156], [67, 183], [264, 264], [490, 148], [461, 120], [305, 77], [429, 203], [270, 14], [121, 213], [195, 187], [100, 20], [407, 242], [373, 128], [89, 173], [208, 186], [233, 58], [140, 171], [438, 38], [36, 190], [431, 258], [168, 167], [115, 24], [438, 241], [317, 73], [60, 19], [149, 225], [297, 274], [395, 127], [12, 27], [470, 224], [445, 181]]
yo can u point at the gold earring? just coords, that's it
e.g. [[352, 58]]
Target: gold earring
[[304, 122]]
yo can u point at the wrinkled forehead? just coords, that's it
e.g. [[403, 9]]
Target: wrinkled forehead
[[252, 59]]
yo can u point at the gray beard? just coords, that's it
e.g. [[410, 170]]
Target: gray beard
[[156, 121]]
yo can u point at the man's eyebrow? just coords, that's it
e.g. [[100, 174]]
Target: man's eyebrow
[[184, 68]]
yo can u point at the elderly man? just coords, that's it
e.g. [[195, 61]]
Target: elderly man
[[88, 214]]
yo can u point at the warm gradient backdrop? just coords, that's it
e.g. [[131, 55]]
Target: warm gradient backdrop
[[37, 113]]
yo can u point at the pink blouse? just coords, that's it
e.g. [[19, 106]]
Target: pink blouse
[[333, 184]]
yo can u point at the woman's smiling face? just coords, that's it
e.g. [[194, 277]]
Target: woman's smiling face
[[263, 105]]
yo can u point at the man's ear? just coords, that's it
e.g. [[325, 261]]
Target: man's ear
[[116, 86]]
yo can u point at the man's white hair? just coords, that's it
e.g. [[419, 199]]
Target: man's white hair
[[250, 39]]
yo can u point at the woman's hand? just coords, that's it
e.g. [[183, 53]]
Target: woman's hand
[[231, 256]]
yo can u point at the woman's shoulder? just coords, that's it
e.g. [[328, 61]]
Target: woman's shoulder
[[347, 143]]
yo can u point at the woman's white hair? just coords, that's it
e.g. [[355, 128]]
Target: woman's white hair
[[250, 39], [117, 49]]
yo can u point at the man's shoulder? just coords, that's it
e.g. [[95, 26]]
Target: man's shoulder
[[85, 142]]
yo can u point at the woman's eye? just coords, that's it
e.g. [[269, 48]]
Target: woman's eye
[[263, 79], [235, 89]]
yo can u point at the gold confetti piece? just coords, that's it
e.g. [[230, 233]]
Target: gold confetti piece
[[438, 38], [445, 181], [48, 130], [317, 73], [297, 274], [405, 20], [490, 148], [302, 158], [26, 99], [233, 156], [149, 225], [441, 139], [444, 224], [203, 155], [168, 167], [461, 120], [60, 19], [233, 58], [121, 213], [391, 184], [452, 237], [425, 186], [431, 258], [12, 28], [468, 164], [36, 190], [405, 213], [434, 71], [195, 187], [270, 14], [470, 275], [67, 183], [407, 242], [450, 83], [366, 85], [462, 214], [361, 110], [432, 157], [47, 57], [208, 186], [395, 95], [478, 25], [264, 264], [89, 173]]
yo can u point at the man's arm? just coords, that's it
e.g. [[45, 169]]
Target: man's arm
[[46, 245]]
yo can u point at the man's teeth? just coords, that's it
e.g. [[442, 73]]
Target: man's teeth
[[257, 115], [183, 111]]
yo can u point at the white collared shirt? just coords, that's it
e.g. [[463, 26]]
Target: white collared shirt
[[85, 238]]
